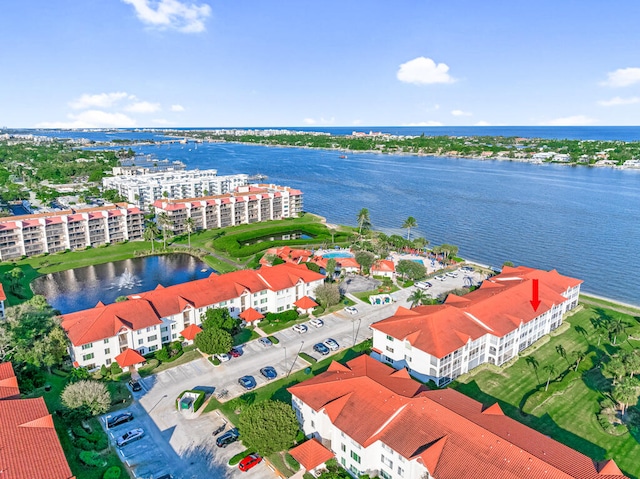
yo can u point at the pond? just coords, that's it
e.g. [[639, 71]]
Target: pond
[[291, 235], [82, 288]]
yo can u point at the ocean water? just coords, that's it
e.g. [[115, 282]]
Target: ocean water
[[585, 222]]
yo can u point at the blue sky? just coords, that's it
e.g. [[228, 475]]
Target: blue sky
[[156, 63]]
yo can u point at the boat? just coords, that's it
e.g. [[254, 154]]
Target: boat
[[342, 157], [258, 177]]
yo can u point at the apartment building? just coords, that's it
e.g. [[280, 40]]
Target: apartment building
[[381, 422], [143, 190], [148, 320], [30, 235], [491, 324], [246, 204]]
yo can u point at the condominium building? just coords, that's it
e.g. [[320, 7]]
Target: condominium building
[[381, 422], [143, 190], [247, 204], [491, 324], [148, 320], [30, 235]]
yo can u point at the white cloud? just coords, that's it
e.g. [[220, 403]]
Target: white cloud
[[424, 71], [309, 121], [424, 123], [99, 100], [143, 107], [615, 101], [162, 121], [321, 121], [92, 119], [177, 108], [482, 123], [461, 113], [575, 120], [622, 77], [172, 14], [356, 122]]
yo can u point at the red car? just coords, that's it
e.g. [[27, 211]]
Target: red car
[[250, 461], [235, 352]]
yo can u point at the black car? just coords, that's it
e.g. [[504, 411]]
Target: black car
[[135, 385], [269, 372], [321, 348], [227, 438], [247, 382], [118, 419]]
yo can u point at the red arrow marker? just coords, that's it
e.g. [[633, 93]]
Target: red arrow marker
[[535, 302]]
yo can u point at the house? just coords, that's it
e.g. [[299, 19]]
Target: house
[[147, 321], [379, 421], [287, 254], [383, 267], [30, 446], [491, 324]]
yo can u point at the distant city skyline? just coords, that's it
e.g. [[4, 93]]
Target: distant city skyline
[[200, 63]]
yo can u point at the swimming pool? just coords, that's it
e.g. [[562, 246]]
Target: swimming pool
[[338, 254], [418, 261]]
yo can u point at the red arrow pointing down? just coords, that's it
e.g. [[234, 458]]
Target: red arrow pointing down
[[535, 302]]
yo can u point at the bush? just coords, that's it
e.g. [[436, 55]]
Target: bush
[[274, 340], [92, 458], [114, 472], [238, 457], [291, 462], [309, 359], [115, 368], [85, 444]]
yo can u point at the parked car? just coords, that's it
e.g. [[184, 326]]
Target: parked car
[[129, 437], [321, 348], [316, 323], [300, 328], [235, 352], [467, 268], [332, 344], [223, 358], [269, 372], [351, 310], [247, 382], [265, 342], [118, 419], [440, 277], [227, 438], [135, 385], [452, 274], [250, 461], [422, 284]]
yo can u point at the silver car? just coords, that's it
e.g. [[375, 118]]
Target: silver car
[[129, 437]]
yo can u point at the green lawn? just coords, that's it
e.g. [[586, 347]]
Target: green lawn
[[364, 296], [567, 411]]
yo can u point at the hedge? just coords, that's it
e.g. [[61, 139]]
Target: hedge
[[291, 462], [273, 339], [92, 458], [114, 472], [307, 358], [197, 403], [238, 457]]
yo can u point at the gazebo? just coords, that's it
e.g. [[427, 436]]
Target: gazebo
[[311, 455], [305, 304], [129, 358], [189, 333], [250, 315]]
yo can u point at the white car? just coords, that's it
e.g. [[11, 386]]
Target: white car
[[332, 344], [452, 274], [300, 328], [440, 277], [316, 323], [351, 310], [223, 358], [129, 437]]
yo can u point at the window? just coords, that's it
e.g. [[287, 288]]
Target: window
[[106, 341], [386, 461], [152, 338], [86, 357], [164, 329], [139, 332], [174, 335], [343, 461], [384, 474], [400, 471], [280, 309], [389, 349], [407, 358], [153, 348], [108, 362], [140, 341], [107, 351], [87, 346], [173, 326], [390, 338], [355, 457], [148, 329], [343, 447], [165, 339], [387, 359]]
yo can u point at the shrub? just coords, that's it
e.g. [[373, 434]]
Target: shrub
[[92, 458], [114, 472], [307, 358], [273, 339], [238, 457], [115, 368], [85, 444], [291, 462]]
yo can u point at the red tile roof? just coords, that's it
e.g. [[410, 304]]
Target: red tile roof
[[189, 333], [8, 382], [499, 306], [448, 432], [129, 357], [383, 265], [3, 296], [311, 454], [58, 214], [305, 303], [250, 315]]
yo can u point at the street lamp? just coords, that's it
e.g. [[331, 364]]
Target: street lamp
[[355, 331], [294, 359]]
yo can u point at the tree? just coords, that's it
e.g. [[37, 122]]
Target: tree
[[551, 369], [578, 356], [214, 341], [631, 362], [6, 344], [190, 226], [364, 221], [331, 268], [328, 294], [268, 426], [562, 352], [616, 326], [365, 259], [417, 298], [409, 223], [625, 392], [220, 318], [150, 233], [616, 367], [91, 397], [420, 243], [411, 269], [14, 277], [533, 362], [165, 222]]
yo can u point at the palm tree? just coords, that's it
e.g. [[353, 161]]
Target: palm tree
[[409, 223], [551, 369], [190, 226], [419, 243], [150, 233], [578, 356], [165, 222], [616, 367], [631, 362], [364, 221], [562, 352], [625, 392], [417, 298], [616, 326], [533, 362]]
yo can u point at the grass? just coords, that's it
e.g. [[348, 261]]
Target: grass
[[244, 336], [567, 412], [364, 295], [592, 300], [273, 327], [279, 463], [186, 357]]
